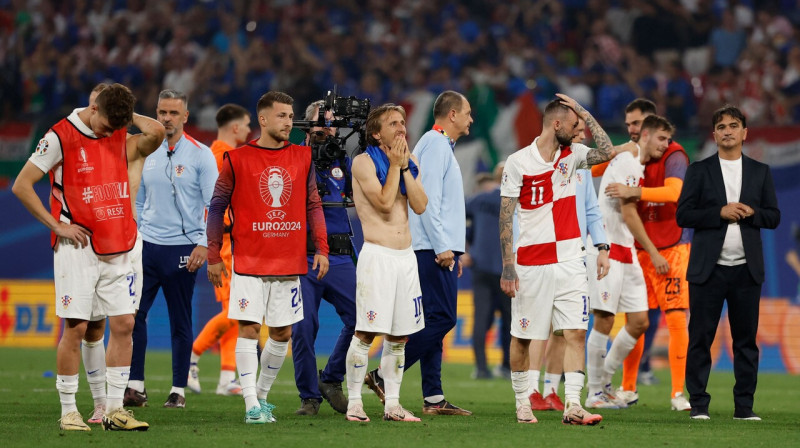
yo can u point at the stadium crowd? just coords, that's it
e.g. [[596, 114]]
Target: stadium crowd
[[689, 56]]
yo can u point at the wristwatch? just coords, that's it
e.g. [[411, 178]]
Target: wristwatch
[[403, 170], [604, 247]]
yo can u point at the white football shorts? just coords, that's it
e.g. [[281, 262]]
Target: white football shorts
[[388, 295]]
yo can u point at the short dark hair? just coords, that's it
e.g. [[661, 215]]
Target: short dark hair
[[554, 108], [373, 125], [731, 111], [230, 112], [657, 123], [172, 94], [447, 101], [272, 97], [116, 102], [643, 104]]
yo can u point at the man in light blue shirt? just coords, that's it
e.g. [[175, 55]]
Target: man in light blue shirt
[[177, 184], [438, 237]]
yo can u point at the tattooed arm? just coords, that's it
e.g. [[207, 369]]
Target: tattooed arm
[[509, 282], [605, 149]]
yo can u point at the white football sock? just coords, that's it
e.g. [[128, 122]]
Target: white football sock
[[520, 384], [392, 365], [226, 377], [596, 346], [137, 385], [271, 361], [247, 364], [622, 345], [552, 382], [67, 386], [117, 380], [194, 358], [178, 390], [533, 381], [94, 362], [573, 385], [356, 366]]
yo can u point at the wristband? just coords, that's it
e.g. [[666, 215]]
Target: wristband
[[605, 247], [403, 170]]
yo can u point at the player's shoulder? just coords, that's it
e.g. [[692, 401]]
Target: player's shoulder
[[518, 156], [362, 161], [579, 148]]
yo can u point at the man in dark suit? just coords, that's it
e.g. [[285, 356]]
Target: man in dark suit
[[727, 199]]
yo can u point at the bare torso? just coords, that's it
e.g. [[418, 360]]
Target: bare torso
[[381, 228]]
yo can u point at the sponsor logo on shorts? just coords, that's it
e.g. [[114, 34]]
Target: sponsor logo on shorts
[[243, 304], [524, 323], [65, 301], [371, 315]]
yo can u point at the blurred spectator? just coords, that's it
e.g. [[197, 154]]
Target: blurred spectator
[[727, 41], [506, 48]]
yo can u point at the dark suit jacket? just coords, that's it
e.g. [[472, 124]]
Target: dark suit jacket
[[702, 199]]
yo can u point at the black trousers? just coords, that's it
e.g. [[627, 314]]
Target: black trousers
[[743, 294], [488, 297]]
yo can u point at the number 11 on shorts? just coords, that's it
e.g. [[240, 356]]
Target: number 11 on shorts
[[417, 308]]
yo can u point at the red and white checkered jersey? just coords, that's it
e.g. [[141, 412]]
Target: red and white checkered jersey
[[623, 169], [548, 220]]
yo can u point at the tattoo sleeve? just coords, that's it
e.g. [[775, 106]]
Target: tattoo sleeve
[[507, 206], [605, 149]]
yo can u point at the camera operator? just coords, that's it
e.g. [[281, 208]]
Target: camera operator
[[338, 287]]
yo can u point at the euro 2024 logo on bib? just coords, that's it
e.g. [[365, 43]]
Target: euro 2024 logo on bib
[[275, 187]]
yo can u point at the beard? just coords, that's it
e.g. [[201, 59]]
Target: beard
[[563, 138], [276, 135]]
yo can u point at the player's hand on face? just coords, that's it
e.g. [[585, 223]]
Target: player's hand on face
[[75, 233], [602, 264], [215, 273], [399, 151], [323, 263], [197, 258], [660, 263]]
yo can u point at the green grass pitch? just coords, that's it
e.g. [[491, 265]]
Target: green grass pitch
[[29, 408]]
